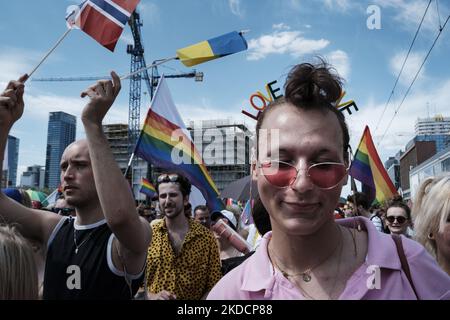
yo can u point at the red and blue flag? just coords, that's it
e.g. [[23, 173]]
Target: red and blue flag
[[103, 20]]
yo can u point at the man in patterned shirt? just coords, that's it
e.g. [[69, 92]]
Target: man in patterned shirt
[[183, 258]]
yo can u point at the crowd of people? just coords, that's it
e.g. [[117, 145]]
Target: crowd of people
[[304, 243]]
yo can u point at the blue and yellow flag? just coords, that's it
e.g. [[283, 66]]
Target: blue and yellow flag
[[212, 49]]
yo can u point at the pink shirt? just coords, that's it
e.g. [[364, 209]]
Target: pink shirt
[[256, 279]]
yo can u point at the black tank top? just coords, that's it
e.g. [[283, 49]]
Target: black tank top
[[88, 274]]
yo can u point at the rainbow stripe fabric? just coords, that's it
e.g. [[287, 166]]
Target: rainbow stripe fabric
[[166, 143], [211, 49], [147, 188], [369, 170]]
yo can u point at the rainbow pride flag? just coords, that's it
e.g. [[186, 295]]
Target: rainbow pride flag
[[165, 142], [211, 49], [147, 188], [369, 170]]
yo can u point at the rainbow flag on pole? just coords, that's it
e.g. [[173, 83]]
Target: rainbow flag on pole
[[165, 142], [369, 170], [147, 188], [211, 49]]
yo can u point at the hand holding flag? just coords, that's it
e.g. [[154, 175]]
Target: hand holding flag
[[102, 95]]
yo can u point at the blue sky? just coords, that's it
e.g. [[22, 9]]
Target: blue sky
[[283, 33]]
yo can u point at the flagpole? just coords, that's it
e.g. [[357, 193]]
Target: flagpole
[[146, 68], [140, 134], [50, 51], [129, 164]]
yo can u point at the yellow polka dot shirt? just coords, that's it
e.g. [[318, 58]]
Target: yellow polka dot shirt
[[191, 273]]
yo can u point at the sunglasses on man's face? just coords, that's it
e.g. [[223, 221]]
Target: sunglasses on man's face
[[325, 175], [168, 178], [400, 219]]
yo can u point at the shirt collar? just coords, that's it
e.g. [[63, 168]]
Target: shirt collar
[[195, 229], [381, 252], [259, 271], [381, 249]]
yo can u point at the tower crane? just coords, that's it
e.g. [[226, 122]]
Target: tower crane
[[136, 51]]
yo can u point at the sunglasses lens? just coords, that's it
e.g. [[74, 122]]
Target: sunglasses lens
[[400, 219], [168, 178], [327, 175], [279, 174]]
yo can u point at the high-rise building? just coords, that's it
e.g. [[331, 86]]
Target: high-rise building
[[434, 129], [392, 166], [431, 126], [117, 135], [61, 133], [416, 153], [225, 148], [13, 158], [33, 178], [435, 166]]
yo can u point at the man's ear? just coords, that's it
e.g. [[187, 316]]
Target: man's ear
[[185, 200]]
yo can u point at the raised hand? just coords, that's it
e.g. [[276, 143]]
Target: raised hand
[[11, 103], [102, 96]]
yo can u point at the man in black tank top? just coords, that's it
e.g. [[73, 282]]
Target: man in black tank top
[[101, 253]]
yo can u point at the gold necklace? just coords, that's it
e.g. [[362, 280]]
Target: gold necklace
[[330, 294], [306, 274]]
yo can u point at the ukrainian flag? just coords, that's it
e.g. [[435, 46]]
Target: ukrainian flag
[[212, 49]]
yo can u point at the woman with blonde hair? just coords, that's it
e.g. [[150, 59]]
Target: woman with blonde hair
[[431, 213], [18, 274]]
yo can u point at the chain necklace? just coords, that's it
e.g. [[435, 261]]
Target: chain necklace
[[306, 274], [337, 275], [82, 242]]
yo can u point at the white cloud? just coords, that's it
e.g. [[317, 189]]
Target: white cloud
[[150, 12], [235, 7], [203, 111], [408, 13], [402, 128], [295, 4], [283, 42], [340, 60], [40, 105], [281, 26], [411, 67], [127, 38], [342, 5], [14, 63]]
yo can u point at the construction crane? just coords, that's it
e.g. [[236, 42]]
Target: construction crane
[[193, 74], [137, 63]]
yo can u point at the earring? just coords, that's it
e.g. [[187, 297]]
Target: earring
[[430, 236], [359, 227]]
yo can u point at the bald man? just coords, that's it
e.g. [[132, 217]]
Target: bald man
[[101, 253]]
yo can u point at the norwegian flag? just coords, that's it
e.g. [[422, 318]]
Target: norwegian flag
[[103, 20]]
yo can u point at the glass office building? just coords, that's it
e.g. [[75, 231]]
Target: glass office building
[[61, 133]]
